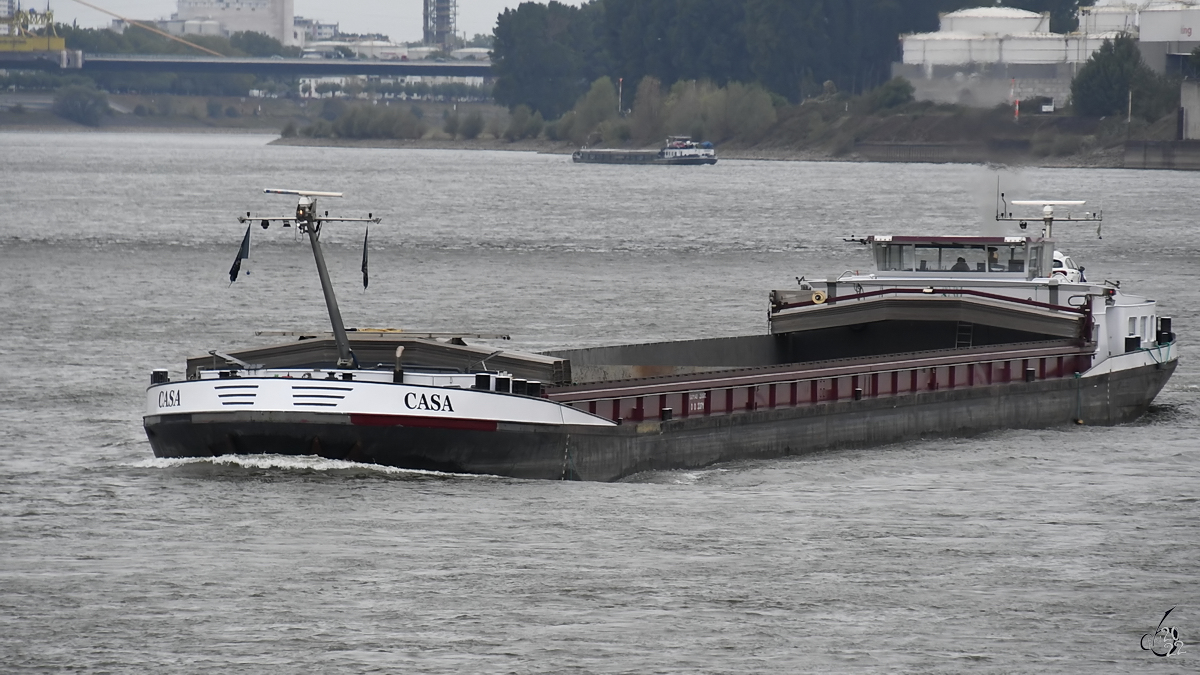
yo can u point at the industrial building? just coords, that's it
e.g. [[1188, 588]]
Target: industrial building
[[1168, 32], [441, 18], [314, 30], [224, 17], [7, 9], [989, 55]]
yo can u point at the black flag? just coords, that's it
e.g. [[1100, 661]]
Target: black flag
[[243, 254], [365, 258]]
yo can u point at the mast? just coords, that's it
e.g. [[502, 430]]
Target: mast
[[310, 223]]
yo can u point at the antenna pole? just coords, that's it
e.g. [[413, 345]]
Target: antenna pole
[[345, 358], [309, 222], [305, 220]]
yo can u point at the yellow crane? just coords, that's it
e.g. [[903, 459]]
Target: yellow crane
[[21, 39]]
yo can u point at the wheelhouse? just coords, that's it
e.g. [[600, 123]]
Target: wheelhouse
[[1006, 257]]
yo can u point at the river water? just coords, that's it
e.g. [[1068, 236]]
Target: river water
[[1015, 551]]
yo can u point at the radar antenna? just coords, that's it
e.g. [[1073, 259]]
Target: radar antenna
[[1048, 215], [309, 221]]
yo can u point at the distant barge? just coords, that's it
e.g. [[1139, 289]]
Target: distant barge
[[681, 150], [947, 336]]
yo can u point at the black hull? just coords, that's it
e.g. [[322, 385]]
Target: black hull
[[611, 453]]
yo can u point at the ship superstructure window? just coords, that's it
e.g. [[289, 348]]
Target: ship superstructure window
[[959, 257], [894, 257], [1132, 326], [951, 257]]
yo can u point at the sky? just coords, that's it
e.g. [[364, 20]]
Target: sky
[[399, 19]]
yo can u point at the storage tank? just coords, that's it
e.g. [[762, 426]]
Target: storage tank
[[1034, 48], [1081, 47], [995, 21], [1112, 18], [943, 49]]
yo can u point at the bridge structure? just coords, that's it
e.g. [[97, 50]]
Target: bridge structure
[[269, 67]]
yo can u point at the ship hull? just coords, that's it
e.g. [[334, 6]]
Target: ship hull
[[689, 161], [638, 157], [606, 453]]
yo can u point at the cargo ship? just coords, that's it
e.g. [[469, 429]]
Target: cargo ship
[[678, 150], [946, 335]]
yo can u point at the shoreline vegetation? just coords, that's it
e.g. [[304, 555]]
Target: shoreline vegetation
[[829, 128]]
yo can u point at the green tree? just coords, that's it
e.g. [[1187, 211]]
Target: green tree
[[373, 121], [596, 107], [480, 40], [543, 55], [788, 44], [750, 111], [84, 105], [534, 127], [328, 88], [256, 44], [472, 126], [893, 93], [1116, 75], [649, 111], [677, 39], [518, 122]]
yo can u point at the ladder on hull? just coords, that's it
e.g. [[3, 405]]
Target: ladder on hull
[[965, 336]]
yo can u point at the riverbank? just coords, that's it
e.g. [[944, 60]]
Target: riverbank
[[916, 132], [834, 130], [965, 154]]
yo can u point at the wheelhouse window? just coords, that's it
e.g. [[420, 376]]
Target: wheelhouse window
[[894, 257], [950, 257], [1006, 258]]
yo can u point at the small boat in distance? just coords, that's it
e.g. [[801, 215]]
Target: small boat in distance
[[680, 150]]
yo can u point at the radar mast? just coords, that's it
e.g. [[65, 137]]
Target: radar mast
[[309, 221]]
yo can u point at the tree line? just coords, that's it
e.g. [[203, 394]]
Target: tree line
[[547, 55], [1115, 81]]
